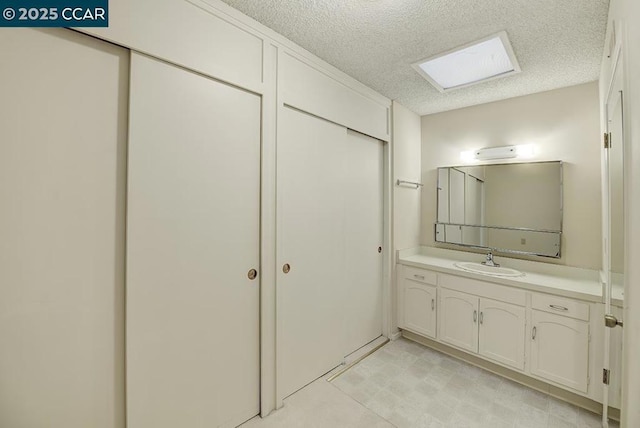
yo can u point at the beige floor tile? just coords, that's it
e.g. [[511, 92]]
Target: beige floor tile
[[320, 405], [565, 411], [536, 399], [531, 417], [407, 385], [556, 422], [588, 419]]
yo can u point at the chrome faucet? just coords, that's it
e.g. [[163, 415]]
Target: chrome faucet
[[489, 261]]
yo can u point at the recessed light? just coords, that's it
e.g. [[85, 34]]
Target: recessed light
[[479, 61]]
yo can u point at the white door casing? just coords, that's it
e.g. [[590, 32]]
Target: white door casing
[[614, 238]]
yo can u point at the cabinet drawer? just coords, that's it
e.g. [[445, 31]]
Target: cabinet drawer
[[561, 306], [484, 289], [421, 275]]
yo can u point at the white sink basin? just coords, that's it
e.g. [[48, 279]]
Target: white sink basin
[[488, 270]]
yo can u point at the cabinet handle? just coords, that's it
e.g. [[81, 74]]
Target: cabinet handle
[[286, 268], [558, 308], [475, 316], [533, 333], [481, 317], [419, 276], [433, 304]]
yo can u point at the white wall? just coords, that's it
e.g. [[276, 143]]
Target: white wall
[[406, 166], [563, 124], [406, 200], [627, 13]]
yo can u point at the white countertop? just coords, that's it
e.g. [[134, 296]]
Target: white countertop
[[577, 283]]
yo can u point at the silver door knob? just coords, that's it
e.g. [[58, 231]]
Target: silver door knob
[[286, 268], [252, 274], [611, 321]]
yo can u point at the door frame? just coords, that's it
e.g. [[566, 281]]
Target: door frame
[[616, 84]]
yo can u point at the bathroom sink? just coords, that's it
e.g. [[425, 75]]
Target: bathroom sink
[[488, 270]]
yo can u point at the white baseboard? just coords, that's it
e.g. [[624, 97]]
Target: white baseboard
[[396, 335]]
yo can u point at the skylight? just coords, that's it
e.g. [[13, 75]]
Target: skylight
[[486, 59]]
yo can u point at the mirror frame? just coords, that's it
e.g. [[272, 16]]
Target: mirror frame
[[525, 229]]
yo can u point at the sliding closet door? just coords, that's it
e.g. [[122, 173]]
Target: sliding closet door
[[330, 223], [193, 229], [363, 187], [63, 138], [310, 303]]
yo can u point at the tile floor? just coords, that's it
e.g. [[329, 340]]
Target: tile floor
[[405, 384]]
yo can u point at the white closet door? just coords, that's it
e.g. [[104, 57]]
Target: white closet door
[[310, 298], [363, 237], [63, 130], [193, 229]]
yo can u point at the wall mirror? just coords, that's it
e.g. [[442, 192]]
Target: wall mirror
[[513, 208]]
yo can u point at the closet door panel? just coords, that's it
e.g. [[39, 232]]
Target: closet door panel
[[363, 237], [63, 140], [193, 235], [310, 297]]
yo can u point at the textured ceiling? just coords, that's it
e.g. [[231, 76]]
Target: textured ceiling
[[558, 43]]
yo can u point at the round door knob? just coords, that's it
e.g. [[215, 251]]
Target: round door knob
[[286, 268], [252, 274]]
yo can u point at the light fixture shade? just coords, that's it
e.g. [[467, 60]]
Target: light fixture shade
[[490, 153], [486, 59]]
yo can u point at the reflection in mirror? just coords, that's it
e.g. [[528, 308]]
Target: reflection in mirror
[[507, 207], [519, 241]]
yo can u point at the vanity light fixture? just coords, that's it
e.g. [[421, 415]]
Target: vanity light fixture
[[486, 59], [491, 153], [524, 151]]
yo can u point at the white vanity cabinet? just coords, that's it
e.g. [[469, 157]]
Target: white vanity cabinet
[[417, 301], [491, 328], [458, 319], [521, 323], [502, 332], [560, 341]]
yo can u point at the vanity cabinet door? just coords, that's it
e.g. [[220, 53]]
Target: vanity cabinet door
[[419, 304], [459, 319], [560, 349], [502, 332]]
